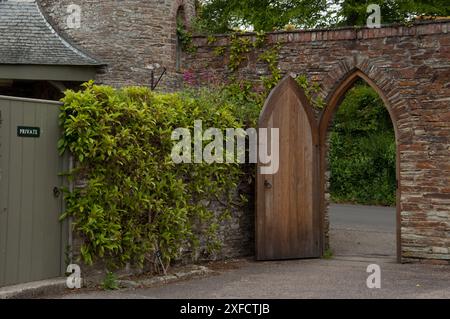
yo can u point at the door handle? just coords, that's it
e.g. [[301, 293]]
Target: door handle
[[267, 184], [56, 192]]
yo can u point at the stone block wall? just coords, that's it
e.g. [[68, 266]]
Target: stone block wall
[[126, 35], [410, 66]]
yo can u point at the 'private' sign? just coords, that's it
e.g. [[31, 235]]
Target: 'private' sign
[[26, 131]]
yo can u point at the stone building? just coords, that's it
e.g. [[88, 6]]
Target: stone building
[[128, 36], [34, 60]]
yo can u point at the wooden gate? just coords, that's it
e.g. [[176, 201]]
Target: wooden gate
[[288, 224], [32, 239]]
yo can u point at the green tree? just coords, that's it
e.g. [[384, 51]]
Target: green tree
[[222, 16], [354, 12], [362, 150]]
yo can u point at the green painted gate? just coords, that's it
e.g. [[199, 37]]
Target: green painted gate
[[32, 239]]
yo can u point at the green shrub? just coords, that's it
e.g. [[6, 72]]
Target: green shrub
[[328, 254], [110, 282], [136, 201], [362, 150]]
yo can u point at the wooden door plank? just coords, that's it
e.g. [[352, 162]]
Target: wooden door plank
[[5, 136], [41, 198], [294, 165], [27, 209], [14, 200], [287, 213], [52, 209]]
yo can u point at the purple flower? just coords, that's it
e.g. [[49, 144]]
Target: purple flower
[[189, 77]]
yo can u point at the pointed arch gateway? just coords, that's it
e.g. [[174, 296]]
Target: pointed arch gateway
[[333, 102], [290, 204], [288, 223]]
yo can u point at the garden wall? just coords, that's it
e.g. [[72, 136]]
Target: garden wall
[[410, 65]]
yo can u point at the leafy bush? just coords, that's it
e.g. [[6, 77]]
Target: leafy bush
[[362, 150], [135, 200], [110, 282]]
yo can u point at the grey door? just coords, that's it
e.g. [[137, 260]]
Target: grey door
[[32, 239]]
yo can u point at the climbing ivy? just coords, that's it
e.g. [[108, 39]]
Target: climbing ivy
[[261, 38], [311, 89], [219, 51], [270, 56], [185, 38], [211, 39], [239, 49]]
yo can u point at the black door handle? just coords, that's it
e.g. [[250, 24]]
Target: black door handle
[[56, 192], [267, 184]]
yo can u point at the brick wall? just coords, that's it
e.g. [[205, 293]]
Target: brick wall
[[127, 35], [411, 68]]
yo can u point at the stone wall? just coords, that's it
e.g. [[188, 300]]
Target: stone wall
[[235, 233], [126, 35], [410, 65]]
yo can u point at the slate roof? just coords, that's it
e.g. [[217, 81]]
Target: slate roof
[[27, 38]]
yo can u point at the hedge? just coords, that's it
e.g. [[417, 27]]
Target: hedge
[[135, 201]]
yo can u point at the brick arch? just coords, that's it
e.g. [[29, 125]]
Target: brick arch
[[342, 78], [382, 79], [385, 86]]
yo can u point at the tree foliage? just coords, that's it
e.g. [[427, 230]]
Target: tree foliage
[[222, 16], [354, 12], [362, 150]]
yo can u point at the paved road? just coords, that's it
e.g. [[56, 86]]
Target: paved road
[[363, 231], [341, 277], [360, 236], [363, 217]]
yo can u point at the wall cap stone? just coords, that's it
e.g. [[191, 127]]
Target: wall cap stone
[[338, 34]]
